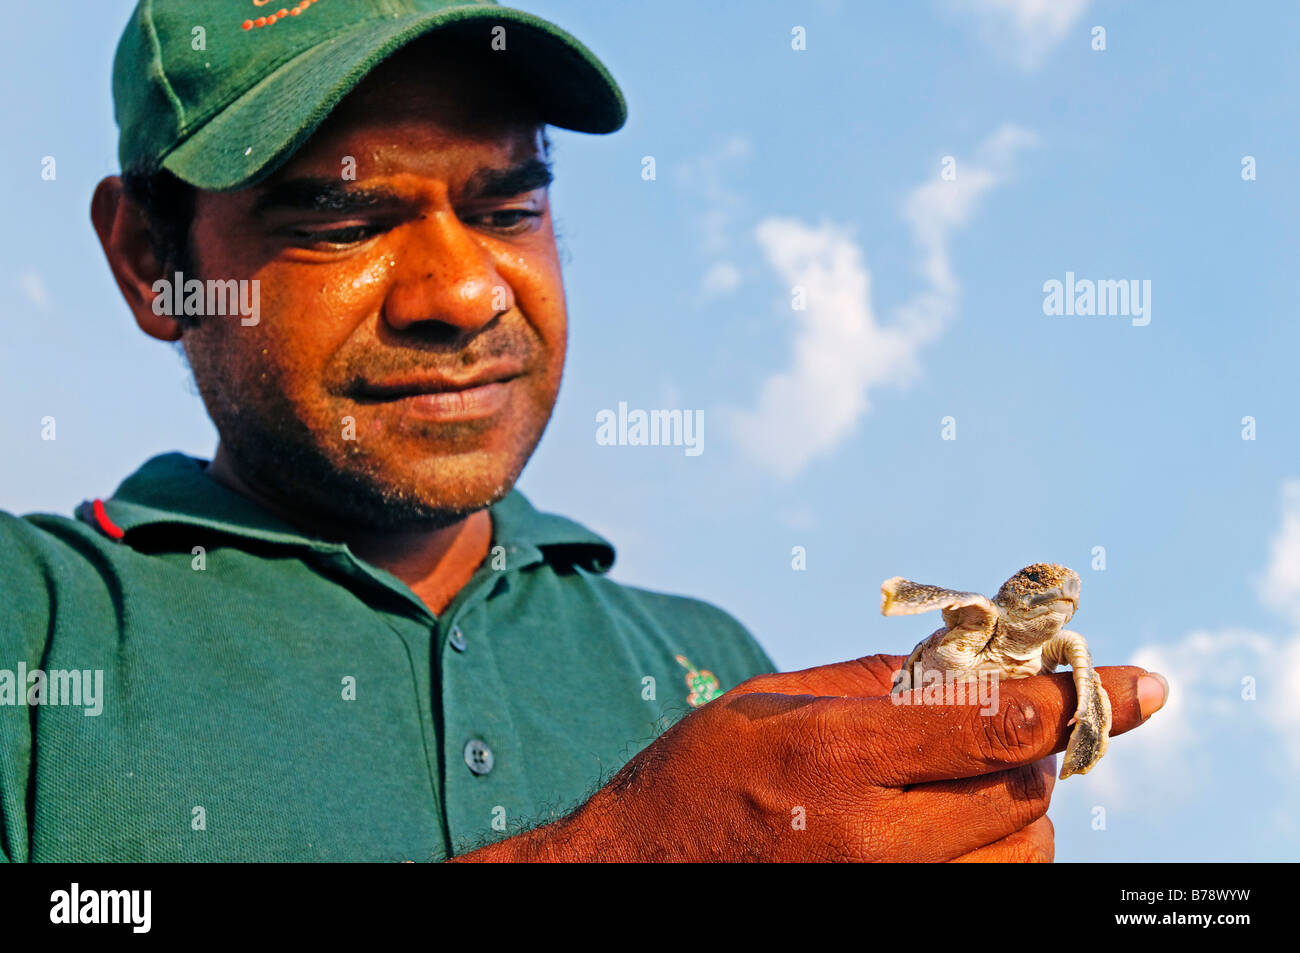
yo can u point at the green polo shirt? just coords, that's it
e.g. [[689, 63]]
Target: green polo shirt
[[266, 696]]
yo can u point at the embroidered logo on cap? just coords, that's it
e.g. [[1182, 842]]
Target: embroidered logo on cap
[[277, 16]]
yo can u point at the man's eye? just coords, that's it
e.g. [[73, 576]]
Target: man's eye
[[510, 220], [339, 236]]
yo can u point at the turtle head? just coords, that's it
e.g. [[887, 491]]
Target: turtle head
[[1038, 590]]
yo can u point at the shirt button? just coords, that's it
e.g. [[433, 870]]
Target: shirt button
[[479, 757], [457, 639]]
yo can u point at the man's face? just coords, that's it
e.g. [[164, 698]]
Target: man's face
[[412, 321]]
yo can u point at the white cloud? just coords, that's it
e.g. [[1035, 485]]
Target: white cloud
[[1165, 761], [706, 176], [1210, 675], [1283, 707], [1281, 591], [722, 278], [841, 350], [1208, 668], [1022, 31], [34, 290], [1280, 587]]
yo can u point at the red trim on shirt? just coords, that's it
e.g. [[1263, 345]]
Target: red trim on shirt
[[111, 529]]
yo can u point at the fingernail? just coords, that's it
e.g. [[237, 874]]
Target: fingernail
[[1152, 692]]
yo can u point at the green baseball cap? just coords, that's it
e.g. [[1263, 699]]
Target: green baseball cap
[[222, 92]]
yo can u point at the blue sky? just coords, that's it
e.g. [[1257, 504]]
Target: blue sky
[[823, 168]]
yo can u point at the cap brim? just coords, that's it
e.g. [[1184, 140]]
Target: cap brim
[[259, 131]]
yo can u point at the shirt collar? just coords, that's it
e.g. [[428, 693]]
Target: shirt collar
[[516, 523], [174, 489]]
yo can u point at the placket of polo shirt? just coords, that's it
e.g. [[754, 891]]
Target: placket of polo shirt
[[420, 630], [487, 791], [482, 803], [478, 802]]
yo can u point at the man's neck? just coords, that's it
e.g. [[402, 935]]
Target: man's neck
[[435, 564]]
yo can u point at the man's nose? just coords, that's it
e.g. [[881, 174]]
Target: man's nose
[[445, 276]]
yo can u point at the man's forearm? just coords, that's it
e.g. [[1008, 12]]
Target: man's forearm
[[591, 834]]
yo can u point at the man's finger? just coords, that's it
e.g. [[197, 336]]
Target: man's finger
[[865, 677], [1033, 844], [895, 744], [976, 812]]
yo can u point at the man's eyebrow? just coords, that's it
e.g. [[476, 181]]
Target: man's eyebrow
[[503, 183], [328, 195], [321, 195]]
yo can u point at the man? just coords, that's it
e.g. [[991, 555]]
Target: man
[[347, 637]]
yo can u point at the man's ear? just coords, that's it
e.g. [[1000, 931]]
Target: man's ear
[[123, 230]]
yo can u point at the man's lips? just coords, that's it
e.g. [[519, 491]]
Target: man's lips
[[443, 397], [415, 383]]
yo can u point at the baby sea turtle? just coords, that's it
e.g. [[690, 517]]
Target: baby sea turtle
[[1016, 634]]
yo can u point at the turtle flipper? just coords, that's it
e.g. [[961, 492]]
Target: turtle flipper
[[905, 677], [961, 610], [971, 620], [1092, 717], [1091, 735]]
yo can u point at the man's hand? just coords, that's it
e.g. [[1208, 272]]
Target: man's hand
[[823, 765]]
